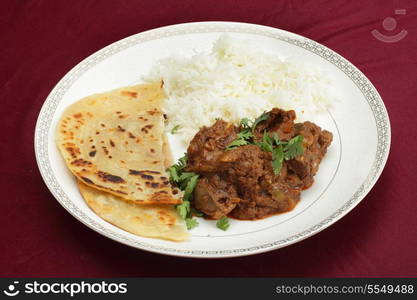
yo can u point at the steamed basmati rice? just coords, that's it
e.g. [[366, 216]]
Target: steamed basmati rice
[[234, 81]]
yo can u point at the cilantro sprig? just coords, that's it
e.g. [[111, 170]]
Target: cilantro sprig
[[294, 147], [175, 170], [243, 138], [191, 182], [187, 182], [175, 129], [281, 150], [277, 159], [259, 119], [245, 123], [223, 223], [191, 223]]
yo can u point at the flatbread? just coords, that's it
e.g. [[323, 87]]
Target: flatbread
[[151, 220], [114, 142], [147, 220]]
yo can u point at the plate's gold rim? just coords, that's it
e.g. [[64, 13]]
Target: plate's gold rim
[[361, 81]]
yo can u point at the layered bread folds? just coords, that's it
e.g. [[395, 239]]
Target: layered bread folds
[[114, 142]]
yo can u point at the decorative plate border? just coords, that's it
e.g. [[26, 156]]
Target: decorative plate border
[[365, 86]]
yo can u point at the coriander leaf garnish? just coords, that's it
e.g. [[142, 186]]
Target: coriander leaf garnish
[[242, 139], [186, 181], [183, 209], [175, 129], [294, 147], [184, 178], [245, 123], [189, 188], [245, 136], [267, 143], [196, 213], [173, 174], [175, 170], [191, 223], [186, 175], [223, 223], [277, 159], [261, 118], [236, 143], [182, 162], [280, 149], [277, 140]]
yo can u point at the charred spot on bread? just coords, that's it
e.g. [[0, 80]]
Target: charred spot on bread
[[110, 177], [87, 180], [135, 172], [81, 163], [130, 94], [145, 176]]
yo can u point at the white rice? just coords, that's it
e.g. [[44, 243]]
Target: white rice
[[234, 81]]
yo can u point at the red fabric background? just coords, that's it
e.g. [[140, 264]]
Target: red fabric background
[[42, 40]]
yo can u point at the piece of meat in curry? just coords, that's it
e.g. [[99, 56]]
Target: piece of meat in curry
[[241, 182]]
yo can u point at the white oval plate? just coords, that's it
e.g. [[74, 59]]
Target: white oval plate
[[354, 161]]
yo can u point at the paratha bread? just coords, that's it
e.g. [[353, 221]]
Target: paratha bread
[[150, 220], [114, 142]]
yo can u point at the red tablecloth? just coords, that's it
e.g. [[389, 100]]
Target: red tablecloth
[[42, 40]]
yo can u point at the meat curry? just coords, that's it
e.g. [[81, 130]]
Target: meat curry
[[241, 182]]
